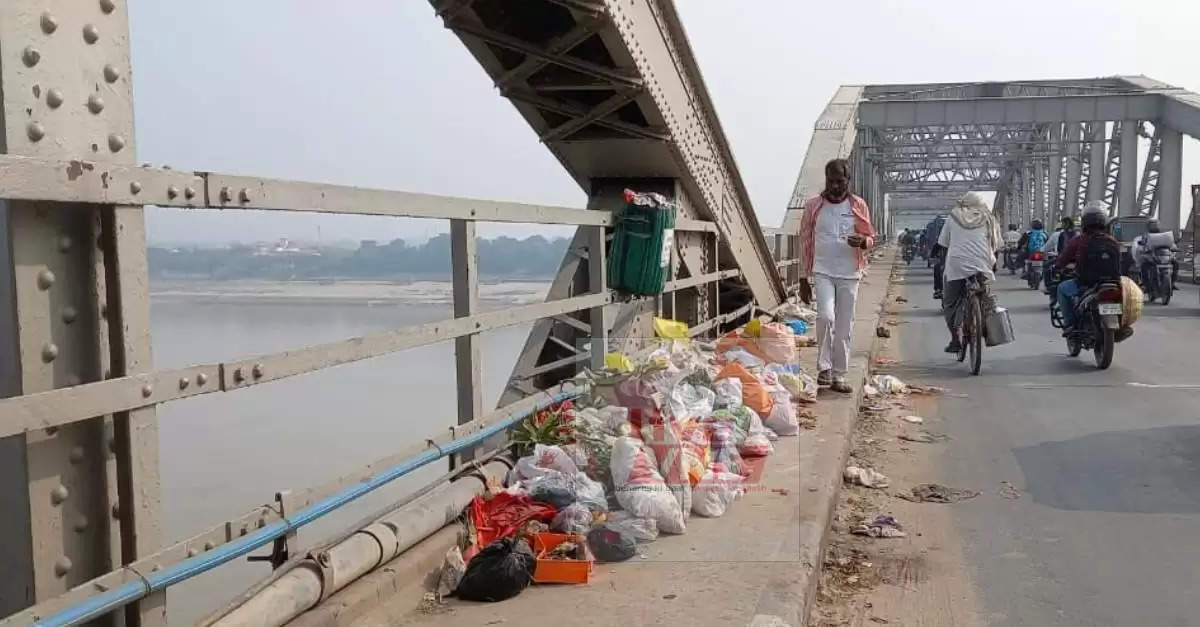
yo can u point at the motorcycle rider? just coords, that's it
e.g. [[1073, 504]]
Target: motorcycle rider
[[1145, 256], [935, 229], [1057, 242], [970, 240], [1012, 240], [1079, 251]]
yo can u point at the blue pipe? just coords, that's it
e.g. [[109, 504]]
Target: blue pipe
[[102, 604]]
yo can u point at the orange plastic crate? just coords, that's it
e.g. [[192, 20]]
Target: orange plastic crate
[[560, 571]]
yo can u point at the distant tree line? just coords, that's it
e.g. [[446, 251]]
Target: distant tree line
[[502, 257]]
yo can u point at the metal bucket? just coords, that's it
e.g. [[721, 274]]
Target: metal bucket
[[997, 327]]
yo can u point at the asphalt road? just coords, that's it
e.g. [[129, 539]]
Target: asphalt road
[[1107, 530]]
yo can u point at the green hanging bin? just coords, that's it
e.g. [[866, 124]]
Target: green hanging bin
[[642, 243]]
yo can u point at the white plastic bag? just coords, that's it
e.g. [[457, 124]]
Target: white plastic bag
[[728, 392], [574, 518], [590, 493], [758, 441], [689, 402], [640, 529], [866, 477], [713, 495], [640, 489], [889, 384], [743, 357], [783, 419], [545, 458]]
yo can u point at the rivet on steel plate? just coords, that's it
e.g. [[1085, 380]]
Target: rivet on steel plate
[[64, 243], [226, 194], [49, 352], [208, 546], [108, 6], [45, 279], [81, 524], [244, 195], [257, 371], [31, 56], [201, 379], [183, 383], [147, 390], [111, 74], [49, 23], [59, 494], [172, 192], [95, 103], [116, 142], [91, 34], [76, 454], [189, 193], [135, 187], [54, 98], [62, 566], [35, 131], [238, 377]]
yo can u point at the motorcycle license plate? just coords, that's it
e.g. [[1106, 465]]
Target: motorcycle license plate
[[1036, 264], [1110, 309]]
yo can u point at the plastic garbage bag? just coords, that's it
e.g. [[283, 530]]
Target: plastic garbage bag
[[640, 529], [500, 571], [553, 488], [754, 394], [545, 459], [883, 526], [793, 378], [617, 362], [664, 439], [778, 342], [715, 492], [888, 384], [757, 442], [866, 477], [590, 493], [574, 518], [799, 327], [640, 489], [728, 393], [610, 543], [636, 393], [687, 402], [725, 456], [793, 311], [743, 357], [670, 329], [451, 573], [782, 418], [696, 449]]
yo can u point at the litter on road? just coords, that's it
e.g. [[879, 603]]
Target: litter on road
[[923, 437], [916, 420], [866, 477], [883, 526], [937, 493]]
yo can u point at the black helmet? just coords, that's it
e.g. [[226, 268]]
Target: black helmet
[[1095, 216], [1037, 224]]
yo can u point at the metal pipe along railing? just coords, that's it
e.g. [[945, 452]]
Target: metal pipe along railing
[[151, 582]]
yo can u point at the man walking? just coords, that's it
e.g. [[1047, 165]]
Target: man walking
[[835, 234]]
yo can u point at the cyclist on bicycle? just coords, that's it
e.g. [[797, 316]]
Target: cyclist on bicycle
[[971, 238]]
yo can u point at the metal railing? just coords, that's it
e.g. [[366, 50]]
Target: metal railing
[[82, 185]]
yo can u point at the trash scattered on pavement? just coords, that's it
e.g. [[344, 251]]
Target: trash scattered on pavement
[[883, 526], [882, 331], [866, 477], [901, 299], [916, 420], [924, 437], [937, 493], [889, 384], [870, 391], [926, 389], [885, 361], [500, 571], [1009, 491], [453, 568]]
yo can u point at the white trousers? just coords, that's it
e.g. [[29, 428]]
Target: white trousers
[[835, 317]]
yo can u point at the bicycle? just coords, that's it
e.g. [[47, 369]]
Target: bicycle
[[969, 318]]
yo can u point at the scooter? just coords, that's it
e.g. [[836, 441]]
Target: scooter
[[1010, 260], [1033, 269]]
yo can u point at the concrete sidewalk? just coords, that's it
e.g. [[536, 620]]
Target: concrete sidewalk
[[757, 565]]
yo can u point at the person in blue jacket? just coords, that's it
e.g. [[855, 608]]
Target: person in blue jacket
[[1037, 238]]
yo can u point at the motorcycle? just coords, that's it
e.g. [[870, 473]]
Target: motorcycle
[[1051, 277], [1098, 328], [1157, 279], [1011, 262], [1033, 269], [910, 251]]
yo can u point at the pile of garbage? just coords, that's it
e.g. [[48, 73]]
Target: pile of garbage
[[669, 433]]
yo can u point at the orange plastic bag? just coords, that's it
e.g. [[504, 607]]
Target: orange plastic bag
[[778, 342], [733, 339], [754, 395]]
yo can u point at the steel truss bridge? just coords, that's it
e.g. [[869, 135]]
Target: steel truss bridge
[[1045, 147], [612, 89]]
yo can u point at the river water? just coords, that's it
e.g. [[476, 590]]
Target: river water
[[223, 454]]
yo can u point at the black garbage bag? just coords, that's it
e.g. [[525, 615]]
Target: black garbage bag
[[611, 545], [500, 571]]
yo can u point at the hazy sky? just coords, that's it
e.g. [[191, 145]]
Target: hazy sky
[[376, 93]]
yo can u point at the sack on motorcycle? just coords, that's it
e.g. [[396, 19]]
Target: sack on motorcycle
[[1101, 261], [1131, 305]]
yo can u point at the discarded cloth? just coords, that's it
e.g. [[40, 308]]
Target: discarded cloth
[[883, 526], [503, 515], [937, 493], [866, 477]]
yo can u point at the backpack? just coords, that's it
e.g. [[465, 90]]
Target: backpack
[[1099, 261]]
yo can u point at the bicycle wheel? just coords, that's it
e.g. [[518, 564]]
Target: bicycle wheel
[[963, 329], [975, 339]]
